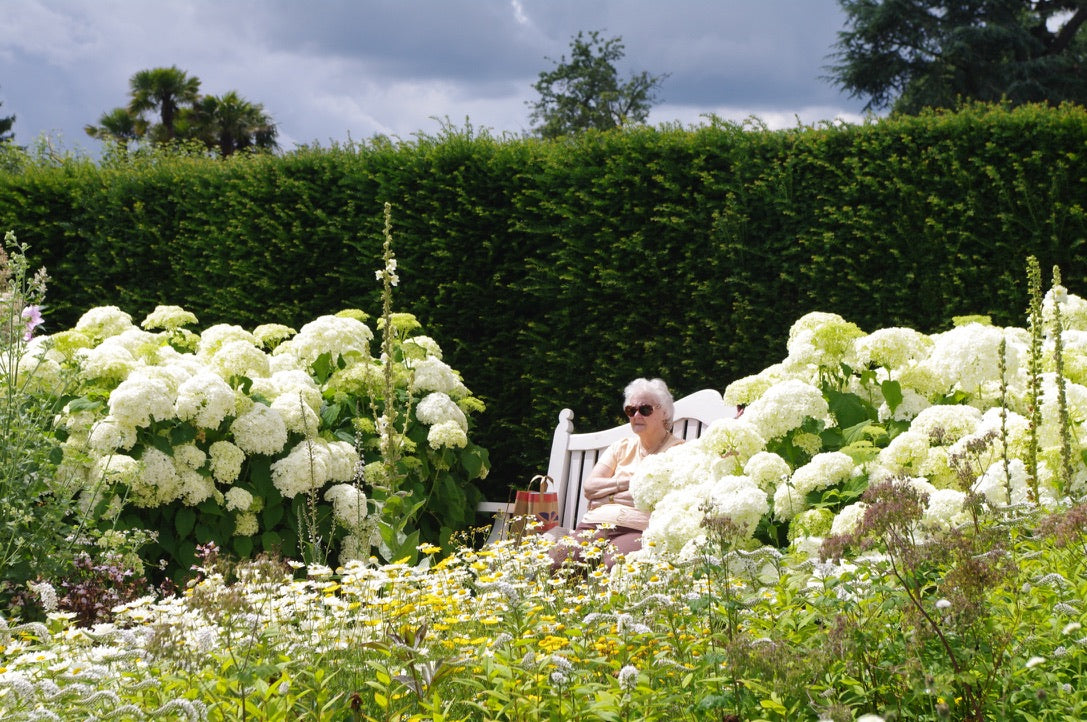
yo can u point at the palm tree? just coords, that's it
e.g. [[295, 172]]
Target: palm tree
[[119, 124], [165, 90], [231, 123]]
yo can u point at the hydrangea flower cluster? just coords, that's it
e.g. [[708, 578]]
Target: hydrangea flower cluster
[[824, 470], [165, 416], [820, 340], [784, 407], [698, 480], [845, 409]]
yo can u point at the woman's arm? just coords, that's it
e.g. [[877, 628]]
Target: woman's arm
[[602, 482]]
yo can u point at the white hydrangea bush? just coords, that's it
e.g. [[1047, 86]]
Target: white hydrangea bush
[[224, 435], [948, 414]]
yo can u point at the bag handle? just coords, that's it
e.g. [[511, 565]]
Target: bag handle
[[543, 480]]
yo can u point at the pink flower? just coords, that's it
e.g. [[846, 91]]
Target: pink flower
[[33, 317]]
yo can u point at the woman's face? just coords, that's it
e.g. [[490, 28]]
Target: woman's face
[[641, 422]]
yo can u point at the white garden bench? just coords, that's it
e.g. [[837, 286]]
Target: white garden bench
[[574, 455]]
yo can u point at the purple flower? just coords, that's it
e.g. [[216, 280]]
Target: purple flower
[[33, 317]]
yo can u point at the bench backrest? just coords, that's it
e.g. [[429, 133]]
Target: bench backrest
[[573, 456]]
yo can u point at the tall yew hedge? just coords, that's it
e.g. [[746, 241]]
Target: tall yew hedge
[[554, 272]]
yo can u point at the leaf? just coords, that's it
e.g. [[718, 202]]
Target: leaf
[[892, 393], [853, 488], [271, 541], [410, 684], [773, 705], [395, 545], [182, 434], [323, 367], [184, 521], [700, 603], [243, 546], [84, 404], [185, 554], [474, 459], [329, 414], [952, 399], [448, 495], [832, 441], [894, 428], [712, 702], [272, 515], [856, 432], [849, 409], [260, 474], [162, 444]]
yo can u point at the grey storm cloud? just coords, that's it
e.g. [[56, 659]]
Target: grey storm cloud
[[329, 70]]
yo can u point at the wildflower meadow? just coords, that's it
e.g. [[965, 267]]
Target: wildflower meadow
[[268, 524]]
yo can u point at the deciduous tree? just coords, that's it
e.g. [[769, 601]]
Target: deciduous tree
[[905, 55], [585, 91]]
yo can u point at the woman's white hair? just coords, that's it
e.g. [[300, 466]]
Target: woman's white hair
[[658, 390]]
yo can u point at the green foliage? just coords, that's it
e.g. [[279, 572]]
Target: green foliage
[[981, 622], [914, 54], [37, 516], [679, 253], [585, 93], [902, 616]]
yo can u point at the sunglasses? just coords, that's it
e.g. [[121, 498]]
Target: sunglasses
[[644, 410]]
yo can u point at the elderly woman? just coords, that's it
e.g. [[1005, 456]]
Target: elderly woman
[[611, 515]]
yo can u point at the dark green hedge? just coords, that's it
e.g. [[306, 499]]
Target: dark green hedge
[[554, 272]]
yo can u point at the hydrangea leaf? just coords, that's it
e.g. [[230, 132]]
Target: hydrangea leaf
[[849, 409], [271, 540], [272, 514], [329, 414], [84, 404], [184, 521], [474, 460], [161, 443], [182, 434], [892, 393], [243, 546], [323, 367]]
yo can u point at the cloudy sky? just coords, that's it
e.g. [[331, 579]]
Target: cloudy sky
[[332, 70]]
